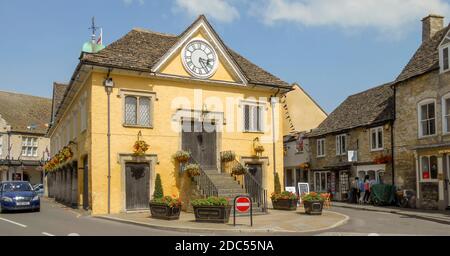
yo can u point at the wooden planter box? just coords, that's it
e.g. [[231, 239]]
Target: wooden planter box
[[313, 207], [165, 212], [285, 204], [212, 214]]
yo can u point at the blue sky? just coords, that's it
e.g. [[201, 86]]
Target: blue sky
[[333, 48]]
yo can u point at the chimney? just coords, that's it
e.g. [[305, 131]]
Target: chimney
[[430, 25]]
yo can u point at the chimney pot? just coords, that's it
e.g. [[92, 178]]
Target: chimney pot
[[431, 25]]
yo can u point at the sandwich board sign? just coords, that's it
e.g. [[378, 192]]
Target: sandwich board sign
[[303, 188], [291, 189]]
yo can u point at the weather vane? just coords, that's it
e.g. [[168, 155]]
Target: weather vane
[[93, 28]]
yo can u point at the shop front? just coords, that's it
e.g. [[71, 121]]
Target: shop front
[[334, 181]]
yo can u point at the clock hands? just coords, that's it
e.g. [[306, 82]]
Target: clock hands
[[202, 62]]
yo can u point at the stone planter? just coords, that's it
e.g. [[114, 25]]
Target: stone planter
[[285, 204], [165, 212], [212, 214], [313, 207]]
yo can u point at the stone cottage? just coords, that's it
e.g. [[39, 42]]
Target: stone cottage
[[422, 127], [354, 140]]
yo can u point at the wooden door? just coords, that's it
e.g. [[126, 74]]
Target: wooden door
[[137, 183], [202, 143]]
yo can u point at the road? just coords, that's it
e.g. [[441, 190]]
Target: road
[[57, 220]]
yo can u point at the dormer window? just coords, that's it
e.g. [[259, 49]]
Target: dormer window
[[444, 58]]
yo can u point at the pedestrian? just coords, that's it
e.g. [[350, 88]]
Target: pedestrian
[[354, 195], [361, 191], [366, 198]]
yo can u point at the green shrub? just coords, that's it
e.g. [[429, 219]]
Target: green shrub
[[159, 193], [277, 184], [210, 201]]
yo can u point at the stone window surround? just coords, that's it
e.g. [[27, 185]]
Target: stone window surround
[[420, 171], [123, 159], [339, 150], [34, 146], [321, 152], [445, 129], [123, 93], [441, 58], [263, 117], [419, 117], [375, 129]]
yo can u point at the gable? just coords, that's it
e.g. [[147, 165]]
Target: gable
[[174, 62]]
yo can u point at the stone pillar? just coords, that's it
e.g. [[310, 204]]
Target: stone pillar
[[416, 158], [441, 202]]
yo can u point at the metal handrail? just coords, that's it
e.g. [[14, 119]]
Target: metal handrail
[[203, 181], [252, 187]]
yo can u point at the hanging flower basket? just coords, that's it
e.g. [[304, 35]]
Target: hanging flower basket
[[182, 156], [140, 147], [384, 159], [238, 169], [192, 170], [228, 156]]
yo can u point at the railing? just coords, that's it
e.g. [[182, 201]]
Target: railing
[[204, 183], [252, 187]]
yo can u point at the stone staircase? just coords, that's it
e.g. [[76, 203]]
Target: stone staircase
[[228, 187]]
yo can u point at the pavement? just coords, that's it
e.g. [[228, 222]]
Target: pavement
[[276, 222], [431, 215]]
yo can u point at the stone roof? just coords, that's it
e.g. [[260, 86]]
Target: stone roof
[[21, 111], [58, 94], [374, 106], [141, 49], [425, 59]]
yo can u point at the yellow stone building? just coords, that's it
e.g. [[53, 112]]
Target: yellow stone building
[[160, 86]]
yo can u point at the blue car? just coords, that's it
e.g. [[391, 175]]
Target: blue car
[[18, 195]]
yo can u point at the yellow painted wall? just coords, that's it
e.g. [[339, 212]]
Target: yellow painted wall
[[162, 139], [305, 114]]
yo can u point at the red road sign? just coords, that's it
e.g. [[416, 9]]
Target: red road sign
[[242, 204]]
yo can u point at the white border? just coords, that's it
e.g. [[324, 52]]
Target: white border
[[183, 59]]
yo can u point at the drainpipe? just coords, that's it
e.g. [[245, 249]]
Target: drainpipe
[[392, 138], [109, 84]]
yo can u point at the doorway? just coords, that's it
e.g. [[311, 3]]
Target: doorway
[[256, 171], [447, 181], [200, 139], [322, 181], [85, 184], [137, 184]]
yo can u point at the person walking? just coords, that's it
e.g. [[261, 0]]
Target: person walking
[[361, 191], [354, 195], [366, 198]]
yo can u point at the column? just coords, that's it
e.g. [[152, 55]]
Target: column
[[416, 157], [441, 180]]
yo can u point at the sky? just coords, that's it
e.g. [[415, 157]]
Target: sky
[[332, 48]]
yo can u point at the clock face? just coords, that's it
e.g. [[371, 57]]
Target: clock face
[[200, 59]]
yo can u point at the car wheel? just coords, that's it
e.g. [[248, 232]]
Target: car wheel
[[1, 209], [37, 210]]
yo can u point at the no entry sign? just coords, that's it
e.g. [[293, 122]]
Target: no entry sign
[[242, 204]]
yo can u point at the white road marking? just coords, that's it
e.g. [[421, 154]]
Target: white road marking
[[47, 234], [15, 223], [73, 234]]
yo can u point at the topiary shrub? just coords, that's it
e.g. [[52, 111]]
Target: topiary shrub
[[277, 184], [159, 193]]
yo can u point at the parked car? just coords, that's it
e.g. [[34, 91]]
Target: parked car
[[18, 195], [39, 189]]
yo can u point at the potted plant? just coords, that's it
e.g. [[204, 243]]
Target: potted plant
[[181, 156], [284, 201], [313, 203], [228, 156], [212, 209], [192, 170], [164, 207], [238, 169]]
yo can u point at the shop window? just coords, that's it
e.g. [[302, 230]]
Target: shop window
[[428, 168]]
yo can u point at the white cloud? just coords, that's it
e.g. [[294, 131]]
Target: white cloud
[[391, 16], [221, 10], [129, 2]]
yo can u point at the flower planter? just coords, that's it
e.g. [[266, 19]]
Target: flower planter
[[212, 214], [165, 212], [285, 204], [313, 207]]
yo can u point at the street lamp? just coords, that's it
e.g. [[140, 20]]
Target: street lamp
[[109, 85]]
